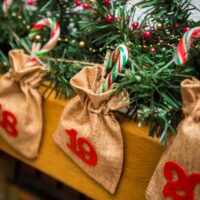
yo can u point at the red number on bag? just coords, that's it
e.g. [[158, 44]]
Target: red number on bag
[[183, 182], [9, 122], [89, 155]]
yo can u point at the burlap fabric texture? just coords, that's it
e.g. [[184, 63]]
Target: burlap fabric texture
[[88, 131], [21, 105], [184, 150]]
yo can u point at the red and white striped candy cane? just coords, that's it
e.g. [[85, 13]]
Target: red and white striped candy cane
[[6, 5], [184, 45], [122, 57], [55, 33]]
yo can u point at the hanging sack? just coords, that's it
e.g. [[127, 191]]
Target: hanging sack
[[177, 175], [21, 105], [21, 120], [178, 171], [88, 131]]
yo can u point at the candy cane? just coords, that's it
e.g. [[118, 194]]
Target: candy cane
[[6, 5], [185, 44], [55, 33], [112, 59], [122, 57]]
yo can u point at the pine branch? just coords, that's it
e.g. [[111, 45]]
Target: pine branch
[[151, 79]]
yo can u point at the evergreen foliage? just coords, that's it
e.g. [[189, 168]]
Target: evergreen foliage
[[151, 77]]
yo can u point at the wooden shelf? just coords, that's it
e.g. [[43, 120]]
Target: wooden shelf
[[141, 157]]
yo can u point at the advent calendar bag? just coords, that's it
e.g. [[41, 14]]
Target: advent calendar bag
[[177, 175], [21, 105], [88, 131]]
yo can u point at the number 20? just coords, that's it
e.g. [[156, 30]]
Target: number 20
[[77, 146]]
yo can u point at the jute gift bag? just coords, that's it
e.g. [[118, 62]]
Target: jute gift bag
[[177, 175], [21, 105], [88, 131]]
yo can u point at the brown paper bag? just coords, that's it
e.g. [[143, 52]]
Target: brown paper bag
[[21, 105], [177, 175], [88, 131]]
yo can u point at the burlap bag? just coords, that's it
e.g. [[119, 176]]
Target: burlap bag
[[98, 146], [177, 175], [21, 105]]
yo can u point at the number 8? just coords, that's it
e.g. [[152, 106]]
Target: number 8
[[9, 123]]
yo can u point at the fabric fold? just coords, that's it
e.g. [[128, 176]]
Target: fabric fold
[[88, 131], [21, 118]]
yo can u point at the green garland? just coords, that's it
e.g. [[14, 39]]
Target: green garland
[[151, 77]]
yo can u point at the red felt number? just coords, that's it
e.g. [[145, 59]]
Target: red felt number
[[183, 187], [76, 145], [8, 122]]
